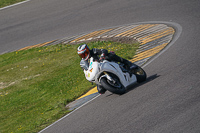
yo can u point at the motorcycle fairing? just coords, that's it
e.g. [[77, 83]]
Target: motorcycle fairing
[[92, 70], [114, 68]]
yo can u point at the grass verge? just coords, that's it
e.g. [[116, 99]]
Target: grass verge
[[36, 84], [4, 3]]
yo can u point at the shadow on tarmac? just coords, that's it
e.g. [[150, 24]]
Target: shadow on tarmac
[[149, 79], [134, 86]]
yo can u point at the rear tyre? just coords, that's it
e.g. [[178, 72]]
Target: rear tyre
[[140, 74], [116, 88]]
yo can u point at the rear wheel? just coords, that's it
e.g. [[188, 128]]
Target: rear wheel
[[140, 74], [114, 87]]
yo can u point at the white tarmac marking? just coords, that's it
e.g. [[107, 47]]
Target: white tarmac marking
[[69, 113], [14, 5]]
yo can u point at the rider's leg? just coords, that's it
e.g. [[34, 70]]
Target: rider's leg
[[128, 64], [116, 58]]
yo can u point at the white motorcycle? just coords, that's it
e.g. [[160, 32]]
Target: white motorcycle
[[112, 76]]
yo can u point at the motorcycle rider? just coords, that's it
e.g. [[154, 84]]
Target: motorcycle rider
[[85, 53]]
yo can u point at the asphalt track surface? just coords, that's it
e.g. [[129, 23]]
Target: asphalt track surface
[[169, 101]]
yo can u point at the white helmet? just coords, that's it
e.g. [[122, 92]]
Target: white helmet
[[83, 51]]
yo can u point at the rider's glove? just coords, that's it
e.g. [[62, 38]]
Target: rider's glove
[[102, 57], [84, 65], [112, 52]]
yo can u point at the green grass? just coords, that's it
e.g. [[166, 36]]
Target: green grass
[[36, 84], [4, 3]]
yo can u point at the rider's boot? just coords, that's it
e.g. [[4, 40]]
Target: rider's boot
[[129, 66]]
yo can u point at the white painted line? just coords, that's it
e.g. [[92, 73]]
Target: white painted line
[[69, 113], [14, 4]]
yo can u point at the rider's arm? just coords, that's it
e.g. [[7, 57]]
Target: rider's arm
[[84, 64], [100, 51]]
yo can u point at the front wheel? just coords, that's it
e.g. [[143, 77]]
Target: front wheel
[[140, 74], [116, 88]]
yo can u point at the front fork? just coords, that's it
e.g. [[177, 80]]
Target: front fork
[[106, 75]]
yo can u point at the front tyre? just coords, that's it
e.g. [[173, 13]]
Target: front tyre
[[116, 88]]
